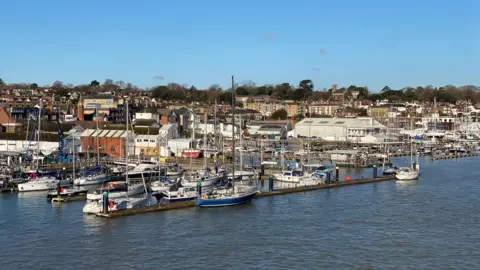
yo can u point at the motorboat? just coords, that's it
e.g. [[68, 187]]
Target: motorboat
[[67, 193], [43, 183], [161, 185], [117, 190], [220, 199], [174, 170], [390, 171], [177, 193], [143, 171], [92, 179]]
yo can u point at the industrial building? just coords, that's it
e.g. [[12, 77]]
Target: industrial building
[[338, 129]]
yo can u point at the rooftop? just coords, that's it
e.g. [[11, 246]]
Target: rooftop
[[359, 122]]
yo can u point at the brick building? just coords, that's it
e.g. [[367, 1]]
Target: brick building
[[110, 142]]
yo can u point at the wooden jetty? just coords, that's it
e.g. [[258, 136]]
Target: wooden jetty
[[283, 191]]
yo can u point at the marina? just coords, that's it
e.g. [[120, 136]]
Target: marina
[[371, 206]]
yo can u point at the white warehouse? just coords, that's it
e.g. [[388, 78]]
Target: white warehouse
[[338, 129]]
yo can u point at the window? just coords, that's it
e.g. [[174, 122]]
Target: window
[[145, 140], [152, 141], [139, 140], [112, 148], [339, 123]]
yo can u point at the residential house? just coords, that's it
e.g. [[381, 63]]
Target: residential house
[[169, 131], [147, 145]]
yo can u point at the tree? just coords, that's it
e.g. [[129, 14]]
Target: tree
[[280, 114], [2, 84], [241, 91], [306, 85], [57, 84], [94, 84], [33, 86]]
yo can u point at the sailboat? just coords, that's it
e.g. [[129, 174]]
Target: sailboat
[[231, 194], [206, 177], [119, 192], [412, 172], [36, 182], [62, 194], [95, 177]]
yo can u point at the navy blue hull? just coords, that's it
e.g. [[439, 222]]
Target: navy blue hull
[[225, 201]]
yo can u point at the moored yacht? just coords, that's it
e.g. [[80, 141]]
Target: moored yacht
[[92, 179], [42, 183]]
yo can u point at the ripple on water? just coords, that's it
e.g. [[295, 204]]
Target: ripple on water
[[427, 224]]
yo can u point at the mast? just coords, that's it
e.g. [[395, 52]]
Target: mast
[[73, 163], [241, 144], [126, 145], [38, 136], [193, 139], [98, 145], [411, 146], [233, 132], [205, 143]]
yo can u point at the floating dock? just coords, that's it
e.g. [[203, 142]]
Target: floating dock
[[283, 191]]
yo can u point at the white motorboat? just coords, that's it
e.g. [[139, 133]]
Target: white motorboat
[[179, 194], [161, 186], [290, 176], [96, 206], [43, 183], [174, 170], [117, 190], [92, 179], [147, 170]]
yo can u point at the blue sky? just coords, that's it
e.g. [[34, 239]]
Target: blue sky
[[366, 43]]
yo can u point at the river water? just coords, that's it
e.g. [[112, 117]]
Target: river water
[[432, 223]]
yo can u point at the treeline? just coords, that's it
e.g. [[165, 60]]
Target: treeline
[[284, 91]]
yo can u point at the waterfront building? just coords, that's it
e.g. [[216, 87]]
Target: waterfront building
[[110, 142], [338, 129], [147, 145]]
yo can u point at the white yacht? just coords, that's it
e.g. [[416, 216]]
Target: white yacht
[[92, 179], [206, 178], [146, 170], [42, 183], [117, 190], [407, 173]]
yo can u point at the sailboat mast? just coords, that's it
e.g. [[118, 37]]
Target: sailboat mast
[[98, 145], [73, 162], [233, 130], [126, 143], [205, 141], [38, 136], [241, 143], [411, 145]]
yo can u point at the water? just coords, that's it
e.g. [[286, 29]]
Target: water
[[429, 224]]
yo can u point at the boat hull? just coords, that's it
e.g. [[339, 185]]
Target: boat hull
[[229, 201], [41, 185], [407, 176], [91, 181], [118, 194], [203, 183]]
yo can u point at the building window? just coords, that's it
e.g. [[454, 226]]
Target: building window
[[139, 140], [112, 148], [152, 141]]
